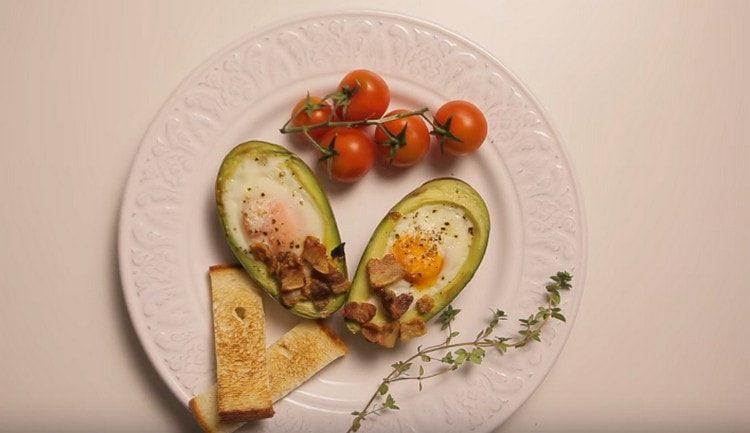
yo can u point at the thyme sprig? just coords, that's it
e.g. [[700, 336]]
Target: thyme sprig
[[457, 355]]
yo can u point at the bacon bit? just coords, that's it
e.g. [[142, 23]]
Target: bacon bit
[[318, 290], [341, 286], [291, 272], [425, 304], [338, 282], [288, 299], [396, 305], [385, 335], [371, 332], [316, 254], [412, 329], [400, 305], [321, 303], [263, 253], [360, 312], [385, 271]]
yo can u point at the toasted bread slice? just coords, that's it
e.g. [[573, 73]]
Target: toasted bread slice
[[293, 359], [243, 392], [299, 354]]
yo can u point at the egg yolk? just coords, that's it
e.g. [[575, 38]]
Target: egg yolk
[[420, 258]]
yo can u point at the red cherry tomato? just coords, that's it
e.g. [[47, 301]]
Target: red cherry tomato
[[312, 110], [416, 140], [464, 120], [355, 154], [369, 98]]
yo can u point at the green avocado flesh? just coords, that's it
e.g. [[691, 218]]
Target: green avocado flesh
[[453, 196], [259, 173]]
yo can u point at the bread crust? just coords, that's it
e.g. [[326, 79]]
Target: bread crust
[[246, 415], [332, 335], [223, 266], [199, 412]]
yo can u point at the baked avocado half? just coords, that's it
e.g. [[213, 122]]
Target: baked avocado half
[[272, 209], [419, 258]]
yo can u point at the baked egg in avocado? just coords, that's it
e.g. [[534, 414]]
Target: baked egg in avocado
[[280, 226], [420, 257]]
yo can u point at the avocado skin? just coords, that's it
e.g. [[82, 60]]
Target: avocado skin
[[258, 270], [445, 190]]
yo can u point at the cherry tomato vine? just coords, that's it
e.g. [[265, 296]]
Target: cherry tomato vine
[[401, 136]]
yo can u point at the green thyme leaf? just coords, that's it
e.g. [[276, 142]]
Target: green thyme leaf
[[401, 367], [477, 355], [390, 403], [461, 356], [554, 298], [447, 316]]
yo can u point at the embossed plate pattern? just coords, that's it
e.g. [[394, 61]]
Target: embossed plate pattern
[[169, 233]]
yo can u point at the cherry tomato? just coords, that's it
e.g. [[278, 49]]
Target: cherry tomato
[[467, 123], [416, 140], [355, 154], [312, 110], [369, 95]]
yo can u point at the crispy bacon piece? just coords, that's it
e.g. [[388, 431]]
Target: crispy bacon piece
[[291, 272], [412, 329], [263, 253], [338, 282], [340, 287], [396, 305], [425, 304], [385, 271], [360, 312], [315, 253], [321, 303], [288, 299], [318, 292], [385, 335]]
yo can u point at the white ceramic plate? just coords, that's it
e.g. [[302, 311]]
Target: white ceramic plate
[[170, 235]]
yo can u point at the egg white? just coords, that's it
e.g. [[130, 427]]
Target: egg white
[[269, 180]]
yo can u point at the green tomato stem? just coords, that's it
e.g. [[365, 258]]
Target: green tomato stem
[[286, 129]]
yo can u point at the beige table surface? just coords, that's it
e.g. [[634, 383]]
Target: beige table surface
[[650, 98]]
